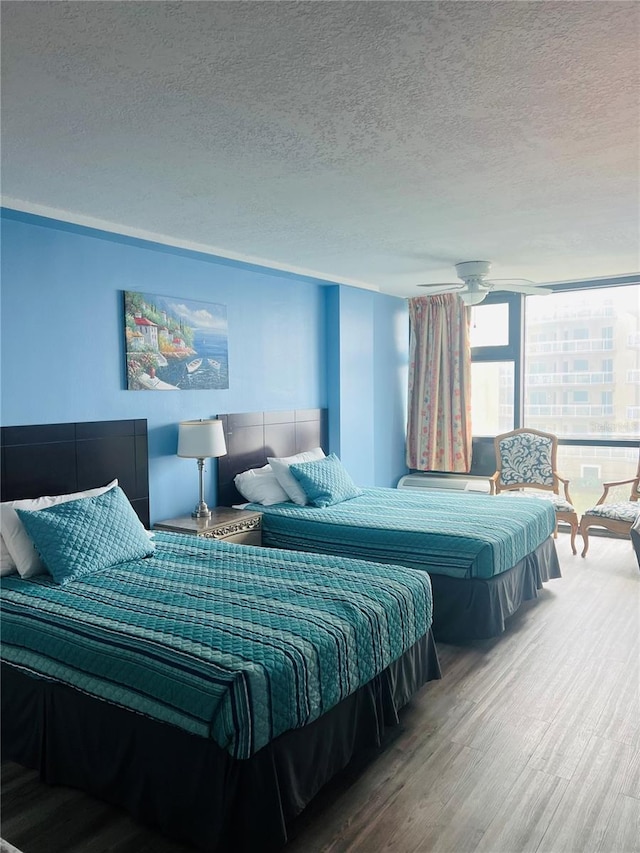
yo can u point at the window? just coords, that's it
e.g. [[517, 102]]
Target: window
[[538, 367], [607, 370], [538, 398], [489, 325], [590, 472], [494, 334], [579, 320], [606, 399], [566, 363], [492, 397], [590, 476], [589, 466]]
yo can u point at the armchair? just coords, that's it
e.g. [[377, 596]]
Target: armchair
[[526, 467], [618, 516]]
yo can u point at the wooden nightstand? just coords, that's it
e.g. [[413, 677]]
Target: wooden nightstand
[[229, 525]]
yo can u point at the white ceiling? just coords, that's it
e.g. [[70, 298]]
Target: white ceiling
[[367, 142]]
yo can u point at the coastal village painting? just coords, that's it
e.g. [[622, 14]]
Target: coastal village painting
[[175, 344]]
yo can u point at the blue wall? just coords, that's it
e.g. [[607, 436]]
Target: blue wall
[[391, 375], [62, 353], [353, 342], [367, 357]]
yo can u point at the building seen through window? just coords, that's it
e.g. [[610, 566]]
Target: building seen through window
[[578, 354]]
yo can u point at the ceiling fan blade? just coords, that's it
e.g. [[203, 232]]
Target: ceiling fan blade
[[444, 286], [521, 286], [511, 281]]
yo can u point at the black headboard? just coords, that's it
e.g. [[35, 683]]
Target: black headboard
[[54, 459], [252, 436]]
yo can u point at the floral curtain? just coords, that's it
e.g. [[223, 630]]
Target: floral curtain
[[439, 418]]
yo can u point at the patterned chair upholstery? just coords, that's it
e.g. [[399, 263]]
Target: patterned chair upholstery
[[635, 538], [617, 516], [526, 467]]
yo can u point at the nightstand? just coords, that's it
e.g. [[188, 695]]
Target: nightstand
[[241, 526]]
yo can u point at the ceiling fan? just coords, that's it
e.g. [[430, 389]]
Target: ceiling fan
[[475, 284]]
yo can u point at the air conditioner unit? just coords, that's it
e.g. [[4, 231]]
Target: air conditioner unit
[[456, 482]]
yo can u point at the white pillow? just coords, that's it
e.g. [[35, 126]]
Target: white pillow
[[259, 485], [19, 545], [286, 479], [7, 566]]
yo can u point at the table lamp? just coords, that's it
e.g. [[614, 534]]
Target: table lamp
[[203, 439]]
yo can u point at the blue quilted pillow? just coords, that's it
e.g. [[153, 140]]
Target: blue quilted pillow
[[87, 535], [325, 481]]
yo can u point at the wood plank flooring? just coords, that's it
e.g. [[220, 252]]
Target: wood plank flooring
[[529, 744]]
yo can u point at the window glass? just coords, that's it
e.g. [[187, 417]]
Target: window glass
[[587, 345], [539, 398], [492, 397], [588, 468], [489, 326]]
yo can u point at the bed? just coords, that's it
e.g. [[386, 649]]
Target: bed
[[483, 560], [196, 685]]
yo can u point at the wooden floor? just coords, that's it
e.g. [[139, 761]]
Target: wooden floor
[[529, 743]]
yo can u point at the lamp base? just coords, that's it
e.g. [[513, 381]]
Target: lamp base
[[201, 511]]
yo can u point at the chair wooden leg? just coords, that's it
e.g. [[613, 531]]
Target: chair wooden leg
[[571, 519], [574, 530], [584, 530]]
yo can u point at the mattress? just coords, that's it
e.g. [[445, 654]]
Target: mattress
[[451, 533], [230, 642]]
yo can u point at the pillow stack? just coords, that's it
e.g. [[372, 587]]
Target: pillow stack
[[305, 478], [87, 535], [71, 535], [273, 484], [260, 486], [17, 552], [326, 481], [288, 482]]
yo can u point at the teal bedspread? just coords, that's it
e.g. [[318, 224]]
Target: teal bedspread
[[449, 533], [231, 642]]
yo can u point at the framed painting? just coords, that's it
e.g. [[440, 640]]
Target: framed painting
[[175, 344]]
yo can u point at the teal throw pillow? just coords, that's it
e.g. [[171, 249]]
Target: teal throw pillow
[[87, 535], [325, 481]]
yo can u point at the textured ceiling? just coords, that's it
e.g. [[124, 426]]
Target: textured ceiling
[[369, 142]]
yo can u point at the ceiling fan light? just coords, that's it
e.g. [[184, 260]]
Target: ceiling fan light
[[473, 297]]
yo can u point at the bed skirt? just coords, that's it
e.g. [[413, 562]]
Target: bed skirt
[[188, 787], [476, 608]]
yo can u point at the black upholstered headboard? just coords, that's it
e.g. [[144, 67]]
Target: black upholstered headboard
[[252, 436], [54, 459]]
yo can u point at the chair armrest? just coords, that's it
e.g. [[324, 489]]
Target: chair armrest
[[565, 484], [607, 486], [619, 483], [493, 482]]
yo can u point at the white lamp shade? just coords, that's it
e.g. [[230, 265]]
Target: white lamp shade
[[201, 439]]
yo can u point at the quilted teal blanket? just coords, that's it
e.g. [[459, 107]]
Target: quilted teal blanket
[[231, 642], [449, 533]]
